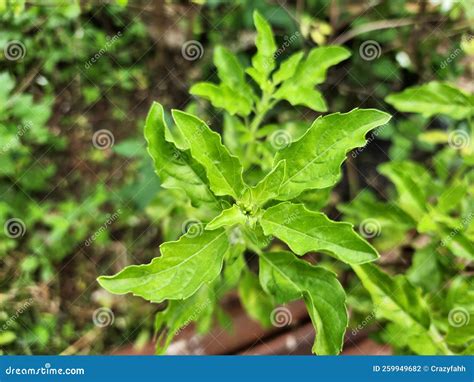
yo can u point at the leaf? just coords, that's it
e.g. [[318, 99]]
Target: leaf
[[179, 314], [222, 96], [229, 70], [287, 68], [183, 267], [256, 302], [307, 231], [175, 168], [288, 278], [268, 188], [299, 88], [263, 61], [315, 159], [227, 218], [462, 332], [411, 182], [432, 99], [395, 299], [224, 170]]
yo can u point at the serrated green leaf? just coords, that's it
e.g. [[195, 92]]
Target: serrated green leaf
[[288, 278], [227, 218], [307, 231], [299, 88], [315, 159], [395, 299], [287, 68], [263, 61], [432, 99], [410, 181], [223, 96], [183, 267], [223, 170], [255, 301], [175, 168]]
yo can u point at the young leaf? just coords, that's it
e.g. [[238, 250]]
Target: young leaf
[[299, 88], [224, 171], [394, 297], [268, 188], [315, 159], [183, 267], [229, 70], [256, 302], [432, 99], [287, 68], [263, 61], [288, 278], [227, 218], [307, 231], [175, 168]]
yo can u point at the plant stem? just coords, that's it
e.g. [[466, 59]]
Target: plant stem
[[439, 341]]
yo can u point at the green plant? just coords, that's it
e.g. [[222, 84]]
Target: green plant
[[246, 200], [432, 213]]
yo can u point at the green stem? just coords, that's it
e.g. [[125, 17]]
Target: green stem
[[439, 341]]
